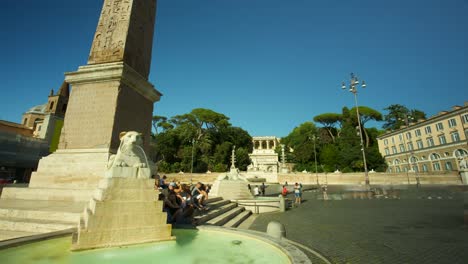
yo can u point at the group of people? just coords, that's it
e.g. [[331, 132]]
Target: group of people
[[182, 200], [297, 192], [257, 190]]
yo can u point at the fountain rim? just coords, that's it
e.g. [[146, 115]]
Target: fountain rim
[[285, 246]]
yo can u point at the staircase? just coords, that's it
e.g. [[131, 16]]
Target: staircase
[[19, 218], [222, 213], [25, 215]]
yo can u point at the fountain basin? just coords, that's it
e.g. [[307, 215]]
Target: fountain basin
[[203, 245]]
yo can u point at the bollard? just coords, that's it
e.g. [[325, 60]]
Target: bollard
[[282, 205], [276, 230]]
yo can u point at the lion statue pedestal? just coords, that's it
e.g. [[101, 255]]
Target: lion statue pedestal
[[124, 209]]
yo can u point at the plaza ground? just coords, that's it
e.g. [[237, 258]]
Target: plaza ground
[[422, 225]]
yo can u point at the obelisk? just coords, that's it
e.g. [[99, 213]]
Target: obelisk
[[109, 95], [112, 93]]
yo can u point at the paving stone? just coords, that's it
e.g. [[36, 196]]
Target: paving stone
[[407, 230]]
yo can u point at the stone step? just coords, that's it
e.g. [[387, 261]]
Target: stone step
[[64, 181], [40, 215], [214, 199], [201, 219], [47, 194], [217, 204], [236, 221], [9, 234], [34, 225], [224, 218]]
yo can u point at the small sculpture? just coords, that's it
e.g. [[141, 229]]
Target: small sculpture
[[130, 152], [463, 163]]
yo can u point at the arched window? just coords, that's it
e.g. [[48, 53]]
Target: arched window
[[396, 162], [413, 159], [434, 156], [459, 153]]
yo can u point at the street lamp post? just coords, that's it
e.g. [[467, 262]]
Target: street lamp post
[[353, 86], [314, 138], [407, 119]]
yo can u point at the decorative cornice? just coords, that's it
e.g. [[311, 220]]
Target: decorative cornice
[[115, 71]]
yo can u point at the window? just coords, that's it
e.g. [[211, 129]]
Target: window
[[394, 151], [455, 137], [387, 151], [413, 159], [459, 153], [442, 139], [434, 156], [452, 122], [39, 128], [424, 167], [439, 126], [428, 130], [25, 121], [385, 142], [436, 166], [396, 162], [417, 132], [51, 105], [400, 137], [397, 169], [465, 118], [402, 148], [393, 140], [415, 168], [430, 142], [420, 144], [448, 166], [410, 146], [408, 135]]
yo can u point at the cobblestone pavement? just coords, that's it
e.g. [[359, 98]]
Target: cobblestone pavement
[[410, 228]]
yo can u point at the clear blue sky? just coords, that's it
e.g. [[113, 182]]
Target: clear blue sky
[[268, 64]]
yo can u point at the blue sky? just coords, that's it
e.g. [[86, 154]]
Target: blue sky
[[268, 64]]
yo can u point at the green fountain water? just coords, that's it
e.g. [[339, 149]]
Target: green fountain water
[[191, 246]]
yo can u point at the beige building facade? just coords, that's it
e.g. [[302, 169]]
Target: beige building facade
[[263, 156], [435, 145]]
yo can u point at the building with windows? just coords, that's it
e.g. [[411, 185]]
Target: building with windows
[[435, 145], [22, 145]]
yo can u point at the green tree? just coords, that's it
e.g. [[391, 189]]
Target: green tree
[[397, 115], [329, 121], [205, 132], [366, 114], [300, 141]]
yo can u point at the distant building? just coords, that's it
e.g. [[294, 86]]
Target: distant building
[[434, 145], [22, 145], [263, 157]]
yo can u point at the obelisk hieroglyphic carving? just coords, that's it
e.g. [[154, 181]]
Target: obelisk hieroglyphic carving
[[125, 33]]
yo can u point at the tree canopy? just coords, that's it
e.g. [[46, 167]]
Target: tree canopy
[[397, 116], [207, 134]]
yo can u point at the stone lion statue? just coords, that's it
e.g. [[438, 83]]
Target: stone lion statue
[[130, 152]]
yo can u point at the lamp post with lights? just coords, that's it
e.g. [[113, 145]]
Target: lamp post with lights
[[353, 88]]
